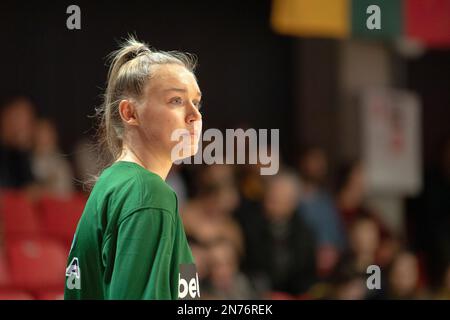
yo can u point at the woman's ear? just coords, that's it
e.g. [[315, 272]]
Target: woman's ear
[[128, 112]]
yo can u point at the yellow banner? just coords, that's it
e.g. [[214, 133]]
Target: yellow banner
[[311, 18]]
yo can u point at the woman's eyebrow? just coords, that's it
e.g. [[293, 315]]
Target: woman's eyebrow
[[181, 90]]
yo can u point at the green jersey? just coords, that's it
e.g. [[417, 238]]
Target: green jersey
[[130, 241]]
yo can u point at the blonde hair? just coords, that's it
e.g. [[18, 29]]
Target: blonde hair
[[129, 72]]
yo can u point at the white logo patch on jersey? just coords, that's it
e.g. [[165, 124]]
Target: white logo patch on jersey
[[73, 273]]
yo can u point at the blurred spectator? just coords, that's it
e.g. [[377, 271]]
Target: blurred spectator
[[350, 195], [210, 214], [364, 241], [251, 190], [226, 281], [52, 170], [280, 248], [250, 181], [403, 277], [16, 133], [364, 250], [318, 210], [202, 261], [351, 190]]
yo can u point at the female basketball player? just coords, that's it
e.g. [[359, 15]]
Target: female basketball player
[[130, 242]]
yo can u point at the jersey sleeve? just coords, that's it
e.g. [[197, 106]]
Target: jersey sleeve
[[142, 262]]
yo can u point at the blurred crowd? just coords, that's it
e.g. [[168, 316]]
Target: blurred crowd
[[304, 233]]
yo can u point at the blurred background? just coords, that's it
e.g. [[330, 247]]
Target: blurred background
[[364, 142]]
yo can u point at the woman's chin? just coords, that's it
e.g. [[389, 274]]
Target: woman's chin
[[187, 153]]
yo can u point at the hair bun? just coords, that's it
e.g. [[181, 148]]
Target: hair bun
[[134, 48]]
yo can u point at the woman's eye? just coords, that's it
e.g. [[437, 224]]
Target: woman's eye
[[176, 101]]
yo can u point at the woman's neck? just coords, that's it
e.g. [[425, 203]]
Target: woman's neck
[[147, 159]]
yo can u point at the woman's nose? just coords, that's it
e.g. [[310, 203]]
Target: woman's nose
[[193, 114]]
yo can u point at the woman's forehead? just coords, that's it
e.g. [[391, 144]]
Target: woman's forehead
[[172, 76]]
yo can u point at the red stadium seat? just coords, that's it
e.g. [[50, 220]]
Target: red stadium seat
[[15, 295], [37, 265], [59, 216], [5, 280], [50, 295], [18, 215]]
